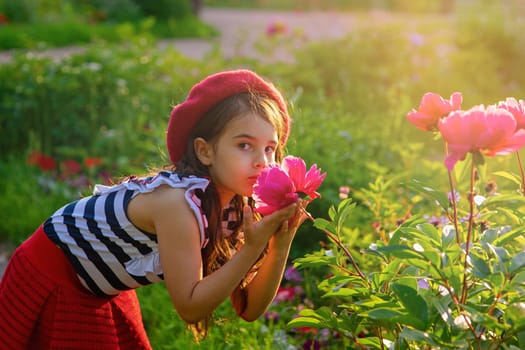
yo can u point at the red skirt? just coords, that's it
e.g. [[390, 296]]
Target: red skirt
[[44, 306]]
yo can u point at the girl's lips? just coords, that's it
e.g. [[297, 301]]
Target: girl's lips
[[253, 179]]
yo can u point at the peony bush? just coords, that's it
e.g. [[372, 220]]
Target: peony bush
[[455, 280]]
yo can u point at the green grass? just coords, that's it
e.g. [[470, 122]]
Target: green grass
[[59, 34]]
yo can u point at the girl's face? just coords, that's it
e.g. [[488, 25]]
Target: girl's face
[[238, 156]]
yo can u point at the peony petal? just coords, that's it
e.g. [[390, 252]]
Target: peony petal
[[273, 190], [296, 169], [456, 99], [432, 108]]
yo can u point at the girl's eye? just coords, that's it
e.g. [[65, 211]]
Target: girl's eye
[[270, 149], [244, 145]]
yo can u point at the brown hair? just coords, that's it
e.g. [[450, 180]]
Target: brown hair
[[211, 126]]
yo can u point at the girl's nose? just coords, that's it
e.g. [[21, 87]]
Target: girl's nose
[[260, 160]]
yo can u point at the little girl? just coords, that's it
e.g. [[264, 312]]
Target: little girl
[[71, 284]]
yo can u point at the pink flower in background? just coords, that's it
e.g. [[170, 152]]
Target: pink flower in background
[[432, 108], [93, 162], [344, 191], [284, 294], [276, 28], [44, 162], [517, 108], [490, 131], [279, 186], [70, 167]]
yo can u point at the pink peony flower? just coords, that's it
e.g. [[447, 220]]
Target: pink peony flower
[[279, 186], [306, 182], [432, 108], [490, 131], [517, 108]]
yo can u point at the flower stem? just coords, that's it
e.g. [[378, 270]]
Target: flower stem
[[469, 231], [347, 253], [522, 173], [453, 200], [340, 245]]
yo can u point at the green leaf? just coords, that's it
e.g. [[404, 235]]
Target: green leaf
[[398, 234], [339, 280], [417, 336], [509, 236], [370, 342], [517, 262], [439, 196], [442, 306], [346, 292], [324, 224], [382, 314], [509, 176], [390, 271], [502, 255], [377, 302], [515, 314], [412, 301], [480, 268], [448, 235], [303, 321], [401, 251], [505, 200], [519, 279], [314, 260], [430, 231]]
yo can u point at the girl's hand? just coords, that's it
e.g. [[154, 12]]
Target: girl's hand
[[259, 233], [283, 238]]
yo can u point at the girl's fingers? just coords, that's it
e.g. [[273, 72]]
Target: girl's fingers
[[247, 216]]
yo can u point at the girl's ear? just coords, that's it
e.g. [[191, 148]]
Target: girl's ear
[[203, 150]]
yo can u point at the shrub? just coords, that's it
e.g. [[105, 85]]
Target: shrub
[[456, 282], [18, 11], [165, 9]]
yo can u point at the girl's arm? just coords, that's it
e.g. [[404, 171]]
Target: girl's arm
[[193, 296], [259, 293]]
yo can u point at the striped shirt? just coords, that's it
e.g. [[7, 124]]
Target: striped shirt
[[109, 253]]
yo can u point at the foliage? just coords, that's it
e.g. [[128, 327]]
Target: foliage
[[455, 283], [55, 23], [423, 290], [165, 9], [35, 193]]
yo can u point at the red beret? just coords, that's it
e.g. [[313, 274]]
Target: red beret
[[206, 94]]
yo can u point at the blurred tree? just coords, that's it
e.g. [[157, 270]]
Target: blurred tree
[[165, 9]]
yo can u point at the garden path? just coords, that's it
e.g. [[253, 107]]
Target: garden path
[[241, 31]]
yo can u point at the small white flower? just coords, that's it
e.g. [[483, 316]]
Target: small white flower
[[462, 321], [329, 252], [93, 66], [443, 291], [418, 248], [478, 199], [449, 230]]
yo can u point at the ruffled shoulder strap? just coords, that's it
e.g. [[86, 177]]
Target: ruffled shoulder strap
[[148, 184]]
